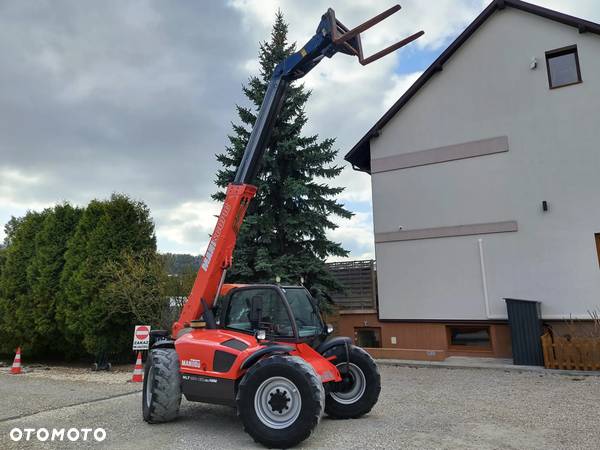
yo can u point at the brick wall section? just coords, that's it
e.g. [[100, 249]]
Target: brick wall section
[[422, 341]]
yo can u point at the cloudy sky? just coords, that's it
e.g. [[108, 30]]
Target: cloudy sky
[[138, 96]]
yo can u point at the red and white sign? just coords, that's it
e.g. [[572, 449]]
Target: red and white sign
[[141, 337]]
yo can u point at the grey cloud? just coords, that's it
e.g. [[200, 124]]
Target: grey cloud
[[138, 96], [104, 96]]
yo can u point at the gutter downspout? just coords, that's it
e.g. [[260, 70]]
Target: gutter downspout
[[486, 297]]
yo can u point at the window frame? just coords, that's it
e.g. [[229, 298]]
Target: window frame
[[469, 348], [227, 305], [560, 52], [376, 331], [313, 303], [597, 239]]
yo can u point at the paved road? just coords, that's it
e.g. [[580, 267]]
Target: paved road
[[418, 408]]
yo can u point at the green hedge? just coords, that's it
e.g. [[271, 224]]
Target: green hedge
[[53, 296]]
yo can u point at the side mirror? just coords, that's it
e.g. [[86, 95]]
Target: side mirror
[[329, 328], [260, 335], [255, 311]]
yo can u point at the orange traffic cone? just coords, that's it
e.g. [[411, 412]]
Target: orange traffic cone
[[16, 367], [138, 371]]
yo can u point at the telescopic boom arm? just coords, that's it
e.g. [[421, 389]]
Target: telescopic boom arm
[[331, 37]]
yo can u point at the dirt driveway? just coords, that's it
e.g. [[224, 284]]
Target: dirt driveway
[[418, 408]]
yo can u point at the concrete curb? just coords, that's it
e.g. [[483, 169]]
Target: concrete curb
[[486, 366]]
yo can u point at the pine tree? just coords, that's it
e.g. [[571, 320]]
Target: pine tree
[[285, 231]]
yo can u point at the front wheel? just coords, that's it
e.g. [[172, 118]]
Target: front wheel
[[162, 386], [280, 401], [359, 389]]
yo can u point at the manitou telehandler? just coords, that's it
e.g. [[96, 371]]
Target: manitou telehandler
[[263, 349]]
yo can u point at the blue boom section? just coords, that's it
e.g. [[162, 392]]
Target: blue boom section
[[293, 67], [330, 38]]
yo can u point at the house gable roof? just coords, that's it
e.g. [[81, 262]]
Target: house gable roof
[[360, 155]]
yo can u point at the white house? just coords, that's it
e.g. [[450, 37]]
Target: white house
[[486, 184]]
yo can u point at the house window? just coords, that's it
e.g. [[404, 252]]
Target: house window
[[563, 67], [598, 246], [469, 337], [368, 337]]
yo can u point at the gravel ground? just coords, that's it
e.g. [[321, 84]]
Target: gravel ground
[[118, 375], [418, 408], [42, 390]]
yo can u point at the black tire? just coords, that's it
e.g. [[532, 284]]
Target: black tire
[[353, 401], [294, 422], [162, 386]]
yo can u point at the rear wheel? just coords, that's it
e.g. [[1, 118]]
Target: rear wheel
[[162, 386], [280, 401], [359, 390]]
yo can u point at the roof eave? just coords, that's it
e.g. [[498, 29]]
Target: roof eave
[[359, 156]]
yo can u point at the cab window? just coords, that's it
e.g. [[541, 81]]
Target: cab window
[[272, 317], [306, 314]]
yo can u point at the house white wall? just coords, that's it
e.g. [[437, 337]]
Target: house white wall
[[487, 89]]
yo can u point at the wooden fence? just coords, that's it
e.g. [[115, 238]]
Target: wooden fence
[[576, 353], [359, 281]]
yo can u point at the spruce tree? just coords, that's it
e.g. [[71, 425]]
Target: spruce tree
[[285, 231]]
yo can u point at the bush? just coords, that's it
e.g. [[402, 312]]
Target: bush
[[58, 275]]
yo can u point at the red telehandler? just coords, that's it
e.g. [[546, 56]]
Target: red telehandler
[[263, 349]]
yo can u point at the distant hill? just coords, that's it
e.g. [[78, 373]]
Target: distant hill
[[178, 263]]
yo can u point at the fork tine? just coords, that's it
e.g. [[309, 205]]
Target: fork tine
[[391, 48], [366, 25]]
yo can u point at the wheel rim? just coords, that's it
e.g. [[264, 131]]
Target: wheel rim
[[277, 402], [149, 384], [357, 388]]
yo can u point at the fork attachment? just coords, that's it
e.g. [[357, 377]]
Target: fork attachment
[[348, 40]]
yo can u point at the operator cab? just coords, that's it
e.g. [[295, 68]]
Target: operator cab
[[284, 313]]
